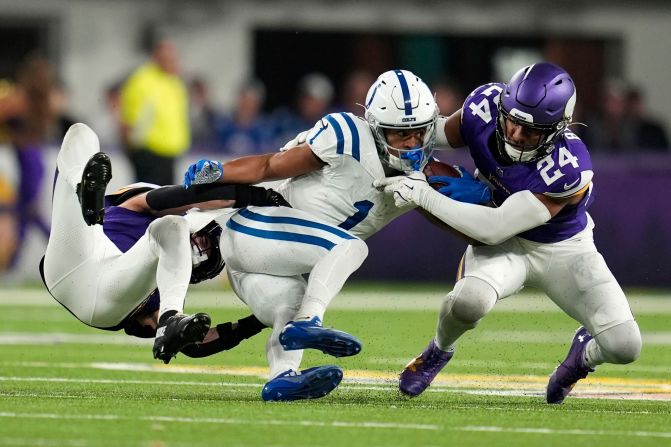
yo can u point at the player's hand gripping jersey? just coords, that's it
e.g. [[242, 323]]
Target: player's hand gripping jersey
[[565, 172], [342, 192]]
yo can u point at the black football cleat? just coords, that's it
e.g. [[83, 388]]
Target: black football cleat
[[91, 191], [177, 332]]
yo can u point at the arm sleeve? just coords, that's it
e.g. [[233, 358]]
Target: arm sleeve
[[441, 137], [520, 212], [177, 196]]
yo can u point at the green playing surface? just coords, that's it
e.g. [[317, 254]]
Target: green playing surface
[[63, 384]]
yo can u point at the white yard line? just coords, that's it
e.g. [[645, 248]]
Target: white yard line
[[61, 442], [421, 300], [338, 424], [661, 338], [43, 442], [60, 338], [357, 380], [234, 421], [554, 431]]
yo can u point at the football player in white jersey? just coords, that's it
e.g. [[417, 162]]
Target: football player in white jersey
[[330, 171]]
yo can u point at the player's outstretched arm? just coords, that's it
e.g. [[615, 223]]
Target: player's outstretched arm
[[224, 337], [522, 211], [448, 131], [177, 200], [253, 169]]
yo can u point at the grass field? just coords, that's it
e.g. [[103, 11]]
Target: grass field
[[63, 384]]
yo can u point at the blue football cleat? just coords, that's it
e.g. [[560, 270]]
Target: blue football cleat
[[311, 383], [311, 335]]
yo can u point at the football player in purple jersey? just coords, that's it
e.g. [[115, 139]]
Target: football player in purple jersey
[[109, 257], [537, 233]]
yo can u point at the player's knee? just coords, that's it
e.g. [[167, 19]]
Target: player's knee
[[473, 299], [169, 227], [356, 249], [359, 249], [469, 311], [621, 344]]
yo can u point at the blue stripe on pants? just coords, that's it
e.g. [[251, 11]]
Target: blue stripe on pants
[[294, 221], [280, 235]]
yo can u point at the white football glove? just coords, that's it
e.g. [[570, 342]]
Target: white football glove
[[407, 191]]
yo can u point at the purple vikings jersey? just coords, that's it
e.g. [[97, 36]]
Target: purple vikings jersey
[[123, 226], [563, 173]]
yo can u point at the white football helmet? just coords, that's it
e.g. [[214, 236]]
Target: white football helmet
[[398, 99]]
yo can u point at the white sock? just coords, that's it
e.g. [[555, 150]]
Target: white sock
[[170, 243], [329, 275]]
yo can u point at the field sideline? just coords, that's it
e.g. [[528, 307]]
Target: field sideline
[[63, 384]]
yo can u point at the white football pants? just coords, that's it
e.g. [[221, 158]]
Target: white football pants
[[572, 273], [86, 272], [267, 252]]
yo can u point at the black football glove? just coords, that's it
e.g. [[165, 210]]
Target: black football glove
[[274, 198]]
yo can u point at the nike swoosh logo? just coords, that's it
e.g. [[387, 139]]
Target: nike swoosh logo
[[569, 186]]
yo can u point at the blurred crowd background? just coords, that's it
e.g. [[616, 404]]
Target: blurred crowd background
[[164, 82]]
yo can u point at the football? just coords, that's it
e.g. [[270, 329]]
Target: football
[[437, 167]]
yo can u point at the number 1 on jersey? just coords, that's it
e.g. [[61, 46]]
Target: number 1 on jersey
[[363, 208]]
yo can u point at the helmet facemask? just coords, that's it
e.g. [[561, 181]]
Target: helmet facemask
[[512, 151], [404, 159]]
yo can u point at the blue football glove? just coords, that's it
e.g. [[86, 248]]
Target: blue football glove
[[415, 156], [203, 171], [463, 189]]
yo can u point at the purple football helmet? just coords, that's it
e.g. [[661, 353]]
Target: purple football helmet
[[540, 97]]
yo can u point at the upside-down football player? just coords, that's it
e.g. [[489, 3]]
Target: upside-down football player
[[539, 233], [125, 261]]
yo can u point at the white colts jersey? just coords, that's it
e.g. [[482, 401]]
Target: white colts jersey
[[341, 193]]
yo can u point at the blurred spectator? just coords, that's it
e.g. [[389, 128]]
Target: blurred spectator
[[108, 123], [449, 96], [315, 93], [155, 116], [612, 130], [33, 115], [202, 114], [8, 221], [354, 91], [245, 130], [649, 134]]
